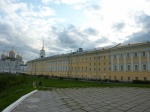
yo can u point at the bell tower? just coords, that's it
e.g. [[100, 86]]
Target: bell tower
[[42, 51]]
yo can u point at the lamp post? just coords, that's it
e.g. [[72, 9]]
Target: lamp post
[[35, 65], [42, 66]]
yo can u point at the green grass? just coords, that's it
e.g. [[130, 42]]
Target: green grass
[[12, 93]]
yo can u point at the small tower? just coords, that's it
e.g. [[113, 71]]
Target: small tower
[[42, 51]]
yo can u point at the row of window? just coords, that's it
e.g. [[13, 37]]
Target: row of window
[[88, 59], [136, 67], [144, 67], [58, 62], [58, 69], [86, 69], [121, 78], [135, 54]]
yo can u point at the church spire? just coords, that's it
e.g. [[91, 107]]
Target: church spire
[[43, 45]]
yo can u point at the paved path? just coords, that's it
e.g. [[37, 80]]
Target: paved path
[[88, 100]]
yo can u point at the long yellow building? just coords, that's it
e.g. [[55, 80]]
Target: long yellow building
[[122, 62]]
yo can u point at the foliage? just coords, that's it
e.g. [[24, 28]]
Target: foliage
[[61, 78], [76, 79], [140, 82], [9, 80]]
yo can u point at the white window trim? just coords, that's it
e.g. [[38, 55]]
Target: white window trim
[[143, 65], [127, 67], [122, 66], [137, 66]]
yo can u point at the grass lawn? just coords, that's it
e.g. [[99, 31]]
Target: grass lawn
[[11, 94]]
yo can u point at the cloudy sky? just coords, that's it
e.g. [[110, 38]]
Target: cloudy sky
[[66, 25]]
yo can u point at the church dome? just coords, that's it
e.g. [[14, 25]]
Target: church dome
[[12, 51], [17, 56]]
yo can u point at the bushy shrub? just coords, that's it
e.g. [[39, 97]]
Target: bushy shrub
[[140, 82], [105, 80], [9, 80], [114, 81], [61, 78], [76, 79], [46, 76], [39, 76]]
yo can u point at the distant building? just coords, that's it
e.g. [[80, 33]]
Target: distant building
[[12, 63], [122, 62]]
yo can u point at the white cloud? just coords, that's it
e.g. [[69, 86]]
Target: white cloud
[[23, 25], [72, 2], [46, 1], [45, 11], [112, 12]]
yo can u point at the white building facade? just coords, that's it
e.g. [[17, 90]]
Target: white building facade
[[12, 63]]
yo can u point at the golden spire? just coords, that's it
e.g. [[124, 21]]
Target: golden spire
[[43, 45]]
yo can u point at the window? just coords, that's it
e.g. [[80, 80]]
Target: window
[[135, 54], [145, 79], [121, 67], [114, 77], [114, 56], [109, 62], [115, 68], [90, 69], [99, 57], [104, 69], [82, 68], [99, 63], [136, 78], [120, 55], [99, 69], [94, 69], [104, 63], [144, 67], [109, 77], [128, 78], [121, 78], [135, 67], [128, 55], [86, 68], [94, 63], [143, 53], [128, 67], [104, 57]]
